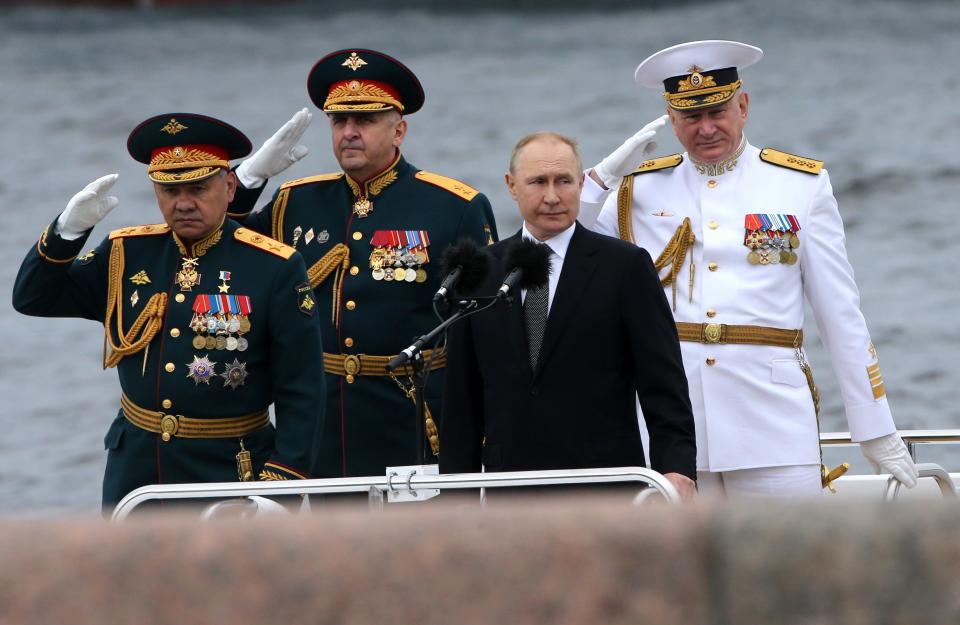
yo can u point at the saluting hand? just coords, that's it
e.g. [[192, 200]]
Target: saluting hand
[[87, 208], [277, 153], [628, 156]]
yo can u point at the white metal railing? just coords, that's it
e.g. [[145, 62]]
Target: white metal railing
[[376, 486], [911, 437], [926, 469]]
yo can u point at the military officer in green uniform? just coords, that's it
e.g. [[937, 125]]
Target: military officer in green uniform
[[371, 236], [207, 322]]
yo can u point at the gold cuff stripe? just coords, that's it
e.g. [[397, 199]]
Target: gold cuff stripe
[[188, 427], [722, 333], [55, 261], [286, 470], [366, 364]]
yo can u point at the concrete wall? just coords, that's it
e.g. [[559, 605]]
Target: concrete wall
[[559, 563]]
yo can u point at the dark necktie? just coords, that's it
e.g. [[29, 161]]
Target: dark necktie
[[535, 316]]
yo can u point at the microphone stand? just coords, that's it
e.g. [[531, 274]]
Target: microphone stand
[[413, 357]]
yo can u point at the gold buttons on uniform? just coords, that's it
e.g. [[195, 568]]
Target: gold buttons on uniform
[[712, 183], [351, 304], [354, 270], [350, 379], [712, 266], [711, 361], [713, 224], [167, 404], [357, 236], [170, 367], [711, 313], [348, 342], [180, 297], [174, 332]]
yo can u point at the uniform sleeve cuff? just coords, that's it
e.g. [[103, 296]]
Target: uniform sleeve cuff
[[870, 421], [592, 192], [55, 249], [273, 471]]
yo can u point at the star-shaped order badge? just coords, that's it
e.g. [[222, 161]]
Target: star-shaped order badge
[[201, 370], [235, 374]]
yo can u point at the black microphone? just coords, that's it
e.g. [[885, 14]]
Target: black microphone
[[529, 267], [465, 264]]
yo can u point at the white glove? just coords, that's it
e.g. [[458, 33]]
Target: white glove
[[87, 208], [890, 454], [277, 153], [628, 156]]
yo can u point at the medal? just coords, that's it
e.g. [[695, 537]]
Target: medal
[[221, 342], [199, 342], [410, 274], [201, 370], [388, 276], [421, 275], [210, 343], [188, 277], [753, 258], [242, 344], [399, 274], [244, 325], [791, 258], [421, 257], [235, 374], [784, 256], [233, 325], [379, 274], [231, 343], [362, 207], [794, 241]]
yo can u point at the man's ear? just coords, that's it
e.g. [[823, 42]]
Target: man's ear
[[399, 133], [511, 184]]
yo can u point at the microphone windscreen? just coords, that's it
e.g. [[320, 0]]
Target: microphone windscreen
[[533, 259], [471, 258]]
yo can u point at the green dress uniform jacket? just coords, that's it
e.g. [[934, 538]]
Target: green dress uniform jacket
[[281, 363], [367, 317]]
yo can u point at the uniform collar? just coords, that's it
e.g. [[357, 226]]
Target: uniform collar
[[379, 182], [726, 165], [198, 248]]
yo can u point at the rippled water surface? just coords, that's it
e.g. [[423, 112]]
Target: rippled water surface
[[869, 87]]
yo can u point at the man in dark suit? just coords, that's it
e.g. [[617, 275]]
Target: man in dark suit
[[552, 384]]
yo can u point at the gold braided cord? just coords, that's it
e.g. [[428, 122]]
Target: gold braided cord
[[279, 208], [182, 175], [147, 325], [684, 99], [178, 158], [624, 205], [336, 260], [673, 256]]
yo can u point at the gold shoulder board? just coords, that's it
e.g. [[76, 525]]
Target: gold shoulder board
[[309, 179], [139, 231], [262, 242], [450, 184], [791, 161], [656, 164]]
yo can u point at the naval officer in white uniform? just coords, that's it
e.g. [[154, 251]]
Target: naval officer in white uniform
[[741, 235]]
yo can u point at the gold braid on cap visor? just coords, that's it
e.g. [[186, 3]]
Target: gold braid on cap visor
[[692, 99], [360, 96], [169, 165]]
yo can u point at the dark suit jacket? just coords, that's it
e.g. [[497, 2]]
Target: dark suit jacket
[[610, 337]]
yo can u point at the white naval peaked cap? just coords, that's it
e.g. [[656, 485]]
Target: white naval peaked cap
[[697, 74]]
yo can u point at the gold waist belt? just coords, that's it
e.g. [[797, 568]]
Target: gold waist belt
[[365, 364], [738, 335], [168, 425]]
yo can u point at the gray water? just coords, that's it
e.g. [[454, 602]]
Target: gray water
[[869, 87]]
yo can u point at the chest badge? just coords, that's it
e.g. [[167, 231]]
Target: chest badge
[[399, 255], [323, 237], [235, 374], [140, 278], [188, 277], [771, 238], [201, 370], [224, 279]]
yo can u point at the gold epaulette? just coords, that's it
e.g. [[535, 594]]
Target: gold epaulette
[[656, 164], [791, 161], [450, 184], [139, 231], [265, 243], [309, 179]]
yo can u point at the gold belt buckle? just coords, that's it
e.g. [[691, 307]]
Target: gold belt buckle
[[712, 332], [351, 365], [168, 427]]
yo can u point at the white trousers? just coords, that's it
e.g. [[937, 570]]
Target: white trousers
[[789, 482]]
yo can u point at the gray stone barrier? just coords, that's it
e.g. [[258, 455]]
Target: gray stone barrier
[[559, 562]]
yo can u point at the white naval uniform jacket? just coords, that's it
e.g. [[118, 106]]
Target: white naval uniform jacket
[[752, 406]]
